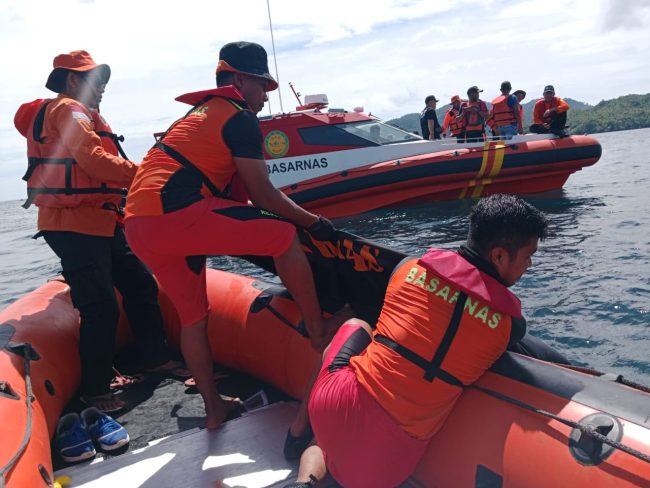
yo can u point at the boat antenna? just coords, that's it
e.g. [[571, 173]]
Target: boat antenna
[[275, 59], [297, 94]]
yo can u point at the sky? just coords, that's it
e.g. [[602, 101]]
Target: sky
[[383, 55]]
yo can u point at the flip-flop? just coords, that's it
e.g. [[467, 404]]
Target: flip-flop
[[175, 371], [121, 381], [103, 400], [191, 383]]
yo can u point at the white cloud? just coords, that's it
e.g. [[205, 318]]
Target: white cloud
[[386, 55]]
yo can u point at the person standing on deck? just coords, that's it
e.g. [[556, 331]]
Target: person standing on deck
[[520, 94], [505, 113], [475, 113], [189, 199], [429, 120], [453, 123], [77, 179]]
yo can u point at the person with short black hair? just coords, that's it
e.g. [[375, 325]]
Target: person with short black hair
[[190, 199], [505, 113], [375, 404], [475, 114], [550, 114], [429, 124]]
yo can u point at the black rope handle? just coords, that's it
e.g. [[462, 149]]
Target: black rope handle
[[589, 430]]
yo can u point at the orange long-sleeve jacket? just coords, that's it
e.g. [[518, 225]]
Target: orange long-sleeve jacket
[[69, 123], [542, 106]]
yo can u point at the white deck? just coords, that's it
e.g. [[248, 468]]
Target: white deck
[[244, 453]]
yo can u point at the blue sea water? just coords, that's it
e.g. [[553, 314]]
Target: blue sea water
[[587, 294]]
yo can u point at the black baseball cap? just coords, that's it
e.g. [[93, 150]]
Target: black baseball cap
[[430, 98], [246, 58], [549, 88], [474, 88]]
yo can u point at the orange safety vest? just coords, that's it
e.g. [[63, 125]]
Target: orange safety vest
[[443, 324], [110, 140], [204, 158], [501, 112], [53, 177], [456, 122], [474, 121]]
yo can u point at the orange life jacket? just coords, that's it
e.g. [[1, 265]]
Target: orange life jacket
[[53, 177], [443, 323], [456, 121], [203, 158], [473, 120], [110, 140], [501, 112]]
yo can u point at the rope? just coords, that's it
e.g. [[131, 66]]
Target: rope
[[589, 430], [28, 427]]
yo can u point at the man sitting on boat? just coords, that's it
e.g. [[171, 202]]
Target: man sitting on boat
[[190, 197], [447, 316], [77, 179], [550, 114]]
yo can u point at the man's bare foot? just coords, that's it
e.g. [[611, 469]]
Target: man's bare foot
[[223, 405]]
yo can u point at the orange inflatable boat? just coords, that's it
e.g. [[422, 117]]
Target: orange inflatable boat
[[526, 423]]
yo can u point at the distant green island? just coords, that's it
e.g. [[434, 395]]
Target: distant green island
[[622, 113]]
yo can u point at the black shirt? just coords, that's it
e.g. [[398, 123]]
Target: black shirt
[[429, 114]]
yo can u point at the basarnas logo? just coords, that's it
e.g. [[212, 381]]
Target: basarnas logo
[[276, 144]]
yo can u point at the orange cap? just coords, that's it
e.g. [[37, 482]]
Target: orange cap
[[455, 98], [78, 61]]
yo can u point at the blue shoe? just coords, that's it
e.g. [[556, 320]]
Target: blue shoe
[[105, 431], [72, 441]]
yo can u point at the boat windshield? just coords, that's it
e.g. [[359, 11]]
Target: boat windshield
[[364, 133]]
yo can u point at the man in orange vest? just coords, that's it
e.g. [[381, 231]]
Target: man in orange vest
[[77, 180], [505, 113], [453, 123], [189, 199], [380, 396], [475, 113], [550, 114]]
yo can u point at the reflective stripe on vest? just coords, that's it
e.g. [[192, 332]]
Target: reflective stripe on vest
[[501, 112]]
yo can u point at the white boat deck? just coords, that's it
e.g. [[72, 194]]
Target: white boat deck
[[244, 453]]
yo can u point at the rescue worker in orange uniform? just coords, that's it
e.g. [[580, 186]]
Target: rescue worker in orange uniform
[[190, 198], [550, 114], [475, 113], [505, 113], [453, 123], [77, 179], [447, 316]]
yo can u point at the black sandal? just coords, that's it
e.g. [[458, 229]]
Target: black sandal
[[303, 484], [295, 446]]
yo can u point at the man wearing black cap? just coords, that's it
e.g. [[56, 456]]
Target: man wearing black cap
[[429, 124], [78, 220], [505, 113], [190, 198], [550, 114], [475, 112]]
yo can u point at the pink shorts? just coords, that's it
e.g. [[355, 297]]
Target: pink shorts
[[363, 445], [175, 246]]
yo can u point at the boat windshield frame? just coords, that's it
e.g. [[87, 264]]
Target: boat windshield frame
[[357, 133]]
